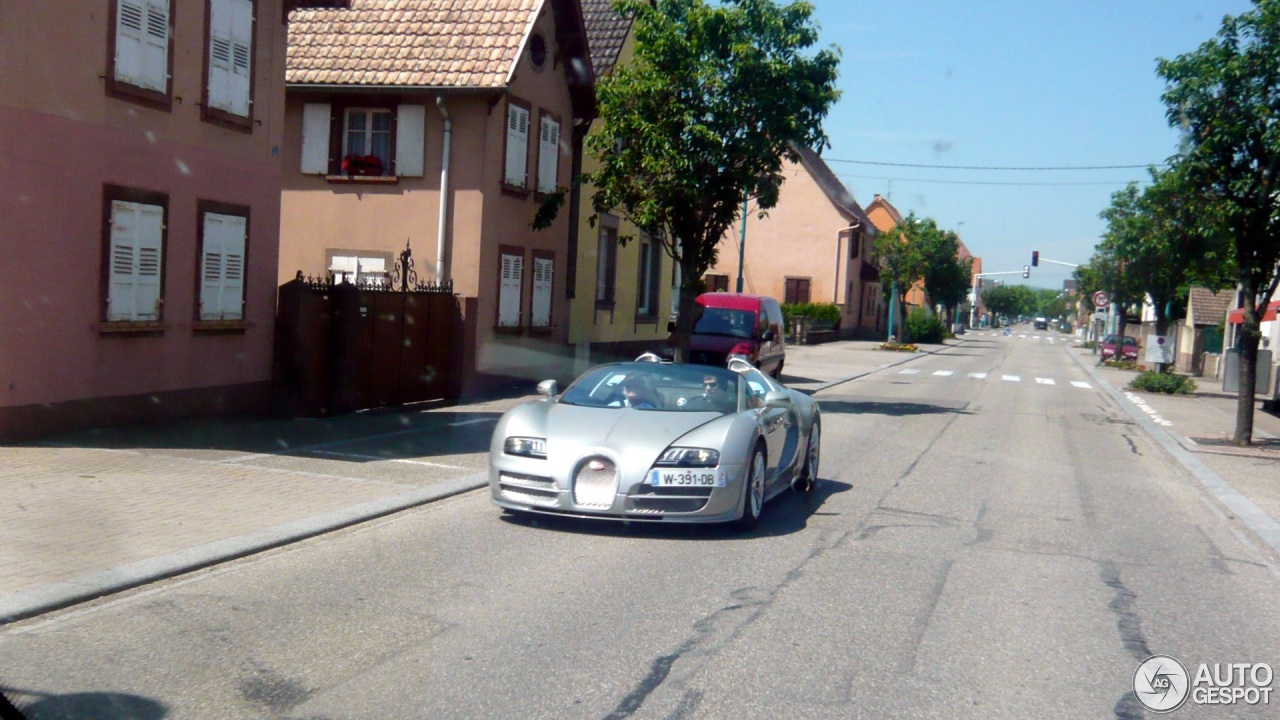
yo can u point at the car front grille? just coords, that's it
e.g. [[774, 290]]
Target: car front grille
[[596, 483]]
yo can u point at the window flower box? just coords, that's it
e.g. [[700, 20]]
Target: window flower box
[[362, 165]]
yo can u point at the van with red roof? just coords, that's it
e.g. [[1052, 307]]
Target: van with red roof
[[738, 324]]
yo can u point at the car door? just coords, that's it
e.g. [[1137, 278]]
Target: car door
[[774, 423]]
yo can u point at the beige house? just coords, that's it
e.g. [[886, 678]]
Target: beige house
[[623, 278], [815, 246], [441, 126], [1200, 331], [141, 207]]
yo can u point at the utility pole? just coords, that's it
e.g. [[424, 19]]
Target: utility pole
[[742, 243]]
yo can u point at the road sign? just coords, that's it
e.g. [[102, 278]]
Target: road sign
[[1101, 299], [1159, 349]]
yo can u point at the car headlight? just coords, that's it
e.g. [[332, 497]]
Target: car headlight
[[525, 447], [689, 457]]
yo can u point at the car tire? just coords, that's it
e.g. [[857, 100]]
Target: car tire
[[808, 478], [753, 492]]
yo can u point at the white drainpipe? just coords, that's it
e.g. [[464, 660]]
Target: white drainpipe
[[444, 190]]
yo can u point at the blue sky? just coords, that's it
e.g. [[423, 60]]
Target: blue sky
[[1019, 83]]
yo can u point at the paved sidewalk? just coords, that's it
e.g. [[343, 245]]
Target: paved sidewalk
[[93, 513]]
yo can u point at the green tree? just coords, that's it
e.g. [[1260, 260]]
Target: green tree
[[714, 99], [1003, 300], [946, 276], [1225, 96], [900, 252]]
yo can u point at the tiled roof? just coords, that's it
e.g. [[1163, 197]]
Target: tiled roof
[[1209, 308], [606, 33], [831, 186], [888, 207], [417, 43]]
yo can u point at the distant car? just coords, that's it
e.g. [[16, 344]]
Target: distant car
[[1041, 324], [709, 444], [1108, 348]]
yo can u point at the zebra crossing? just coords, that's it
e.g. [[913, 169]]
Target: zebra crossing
[[983, 376], [1053, 340]]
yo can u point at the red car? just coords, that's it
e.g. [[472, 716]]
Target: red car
[[1108, 348]]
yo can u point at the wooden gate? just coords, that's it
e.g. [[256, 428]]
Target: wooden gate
[[342, 347]]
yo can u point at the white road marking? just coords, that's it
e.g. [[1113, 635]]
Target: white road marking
[[460, 423], [943, 373], [978, 376], [909, 372], [1045, 381], [359, 456], [1084, 385], [1011, 378]]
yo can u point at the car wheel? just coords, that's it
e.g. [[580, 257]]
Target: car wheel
[[753, 493], [809, 473]]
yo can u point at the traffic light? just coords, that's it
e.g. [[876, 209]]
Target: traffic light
[[1035, 258], [1026, 271]]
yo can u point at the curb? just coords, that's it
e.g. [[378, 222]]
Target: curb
[[1262, 525], [92, 585]]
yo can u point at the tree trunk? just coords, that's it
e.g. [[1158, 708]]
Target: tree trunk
[[1250, 337], [690, 286]]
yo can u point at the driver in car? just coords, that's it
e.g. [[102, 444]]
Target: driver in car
[[715, 396]]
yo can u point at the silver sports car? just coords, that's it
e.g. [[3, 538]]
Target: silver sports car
[[652, 440]]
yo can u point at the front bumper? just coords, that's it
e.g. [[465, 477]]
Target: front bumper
[[520, 484]]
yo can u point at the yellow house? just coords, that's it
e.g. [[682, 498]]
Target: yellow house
[[622, 279]]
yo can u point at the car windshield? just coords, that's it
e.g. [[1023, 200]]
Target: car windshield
[[723, 321], [656, 387]]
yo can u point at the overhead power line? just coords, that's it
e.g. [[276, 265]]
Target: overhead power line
[[983, 182], [997, 167]]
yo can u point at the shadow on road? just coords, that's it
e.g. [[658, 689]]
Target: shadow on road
[[893, 408], [787, 513], [84, 706]]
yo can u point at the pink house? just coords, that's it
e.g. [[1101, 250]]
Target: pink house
[[142, 206], [442, 126]]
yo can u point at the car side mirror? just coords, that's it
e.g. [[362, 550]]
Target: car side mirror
[[767, 335], [777, 399], [549, 388]]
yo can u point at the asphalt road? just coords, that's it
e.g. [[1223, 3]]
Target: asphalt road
[[980, 547]]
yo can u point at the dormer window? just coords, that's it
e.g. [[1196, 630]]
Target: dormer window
[[538, 50]]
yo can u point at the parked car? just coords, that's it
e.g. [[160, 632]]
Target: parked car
[[1108, 348], [1041, 323], [706, 444], [738, 324]]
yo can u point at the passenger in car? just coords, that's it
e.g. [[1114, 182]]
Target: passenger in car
[[715, 396]]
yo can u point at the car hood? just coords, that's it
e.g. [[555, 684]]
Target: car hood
[[636, 436]]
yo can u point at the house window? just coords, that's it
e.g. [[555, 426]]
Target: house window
[[141, 35], [855, 244], [544, 265], [848, 297], [870, 292], [223, 240], [797, 290], [548, 153], [369, 268], [229, 51], [366, 142], [650, 275], [376, 141], [510, 285], [516, 172], [606, 266], [134, 248], [717, 283]]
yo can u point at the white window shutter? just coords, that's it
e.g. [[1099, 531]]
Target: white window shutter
[[233, 243], [131, 20], [155, 47], [220, 21], [517, 145], [150, 263], [315, 138], [122, 275], [241, 56], [411, 134], [542, 275], [211, 267], [548, 155], [509, 291]]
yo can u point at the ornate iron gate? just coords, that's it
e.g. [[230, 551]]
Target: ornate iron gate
[[342, 347]]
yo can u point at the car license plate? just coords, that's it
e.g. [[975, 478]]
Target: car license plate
[[685, 478]]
